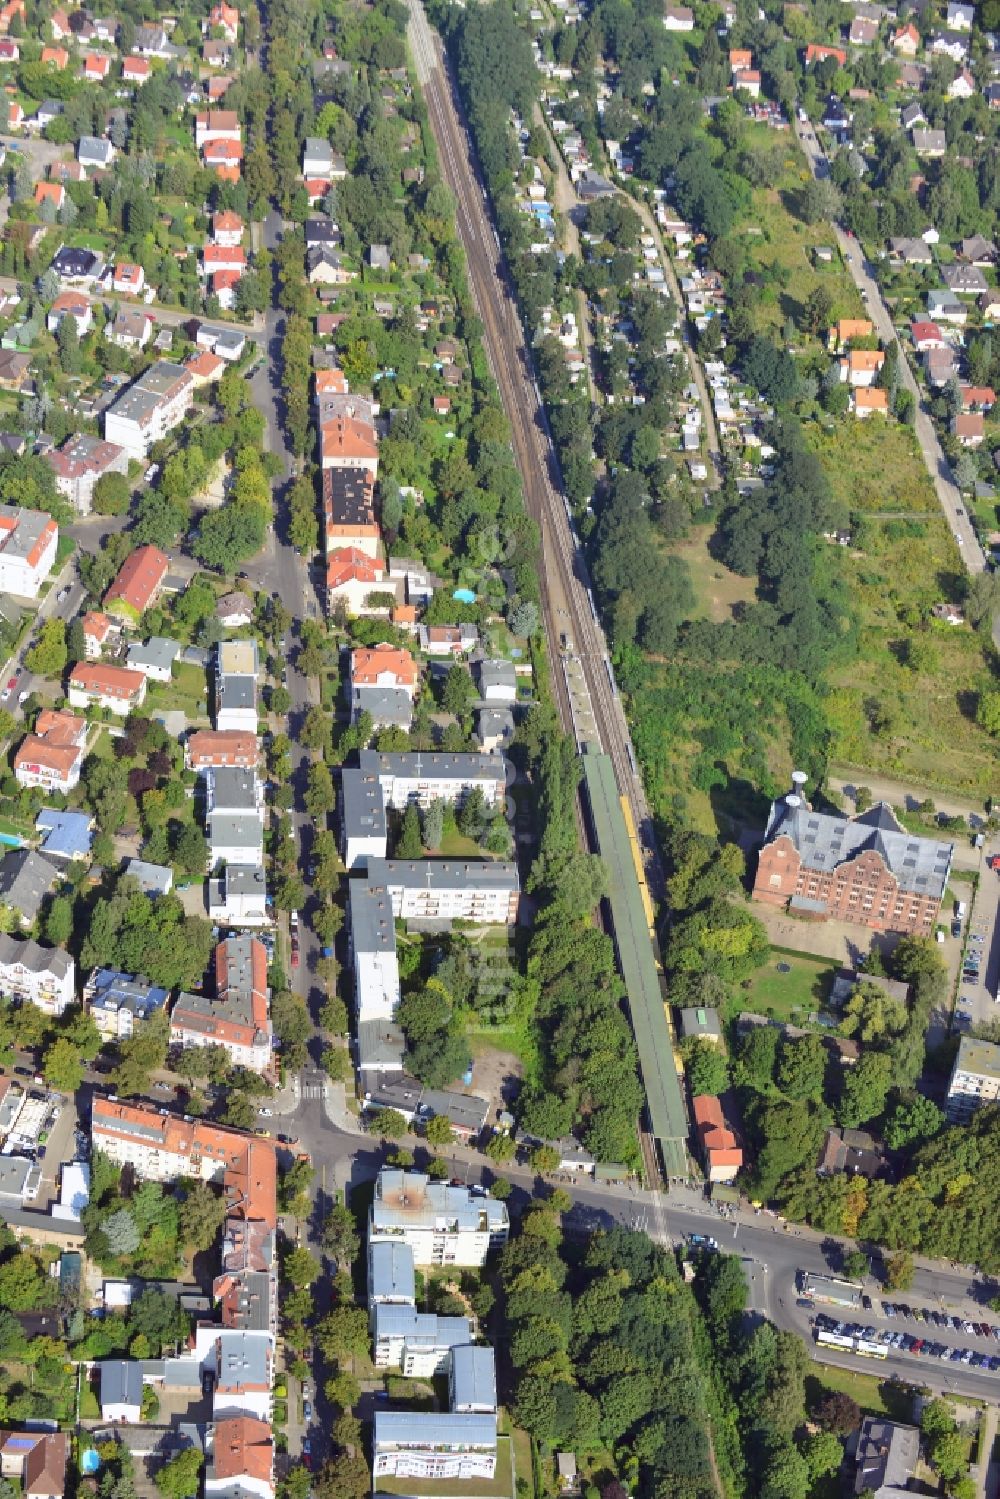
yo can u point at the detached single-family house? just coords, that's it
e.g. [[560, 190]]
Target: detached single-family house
[[867, 400], [969, 428], [678, 18]]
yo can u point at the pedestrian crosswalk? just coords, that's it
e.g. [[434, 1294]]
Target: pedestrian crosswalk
[[314, 1090]]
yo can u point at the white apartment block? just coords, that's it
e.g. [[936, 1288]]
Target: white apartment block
[[441, 1224], [150, 408], [28, 541], [448, 889], [440, 1446], [42, 976], [238, 897], [363, 829], [418, 1344], [236, 671], [243, 1366], [373, 953], [975, 1079]]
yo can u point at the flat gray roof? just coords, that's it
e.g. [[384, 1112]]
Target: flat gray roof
[[233, 788], [427, 765], [235, 830], [372, 928], [419, 1429], [473, 1376], [390, 1272], [362, 806], [444, 874]]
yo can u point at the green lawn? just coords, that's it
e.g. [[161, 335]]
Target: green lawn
[[455, 845], [188, 691], [790, 996], [876, 1397]]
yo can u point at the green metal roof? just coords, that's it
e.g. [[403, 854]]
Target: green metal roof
[[636, 960]]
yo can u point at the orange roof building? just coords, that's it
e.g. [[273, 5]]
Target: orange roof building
[[138, 583], [51, 757], [96, 67], [860, 366], [50, 192], [97, 629], [346, 442], [55, 57], [136, 69], [384, 665], [242, 1454], [212, 749], [205, 366], [331, 382], [163, 1147], [847, 328], [224, 158], [865, 400], [815, 52], [723, 1157], [93, 684]]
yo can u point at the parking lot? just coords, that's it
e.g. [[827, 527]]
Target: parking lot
[[923, 1332], [979, 974]]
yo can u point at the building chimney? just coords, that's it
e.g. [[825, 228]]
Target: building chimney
[[799, 779]]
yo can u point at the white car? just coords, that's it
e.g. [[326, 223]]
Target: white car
[[266, 1113]]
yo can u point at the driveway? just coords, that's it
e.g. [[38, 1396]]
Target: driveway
[[938, 467]]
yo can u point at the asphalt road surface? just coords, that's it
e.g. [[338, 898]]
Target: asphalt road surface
[[775, 1254]]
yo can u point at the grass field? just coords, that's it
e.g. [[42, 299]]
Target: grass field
[[789, 996], [716, 589], [875, 468], [876, 1397]]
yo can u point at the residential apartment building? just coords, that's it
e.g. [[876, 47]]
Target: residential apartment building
[[975, 1079], [237, 669], [210, 749], [425, 777], [121, 1003], [42, 976], [244, 1367], [867, 869], [28, 542], [391, 1276], [240, 1459], [99, 630], [51, 757], [441, 1224], [150, 408], [348, 496], [163, 1147], [472, 1380], [384, 780], [78, 465], [238, 897], [448, 889], [444, 1446], [237, 1018], [95, 685], [372, 942], [346, 442], [363, 827], [418, 1344], [384, 665]]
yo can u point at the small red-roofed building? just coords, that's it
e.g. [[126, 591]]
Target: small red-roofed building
[[867, 401], [129, 279], [136, 69], [815, 52], [96, 67], [204, 367], [224, 157], [138, 584], [50, 192], [227, 229], [55, 57], [99, 630], [723, 1157]]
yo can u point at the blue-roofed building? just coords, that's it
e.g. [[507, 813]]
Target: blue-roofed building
[[120, 1003], [68, 835]]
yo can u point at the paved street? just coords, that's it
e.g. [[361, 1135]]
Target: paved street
[[933, 454]]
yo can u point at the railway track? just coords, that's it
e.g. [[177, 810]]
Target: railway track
[[566, 592]]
